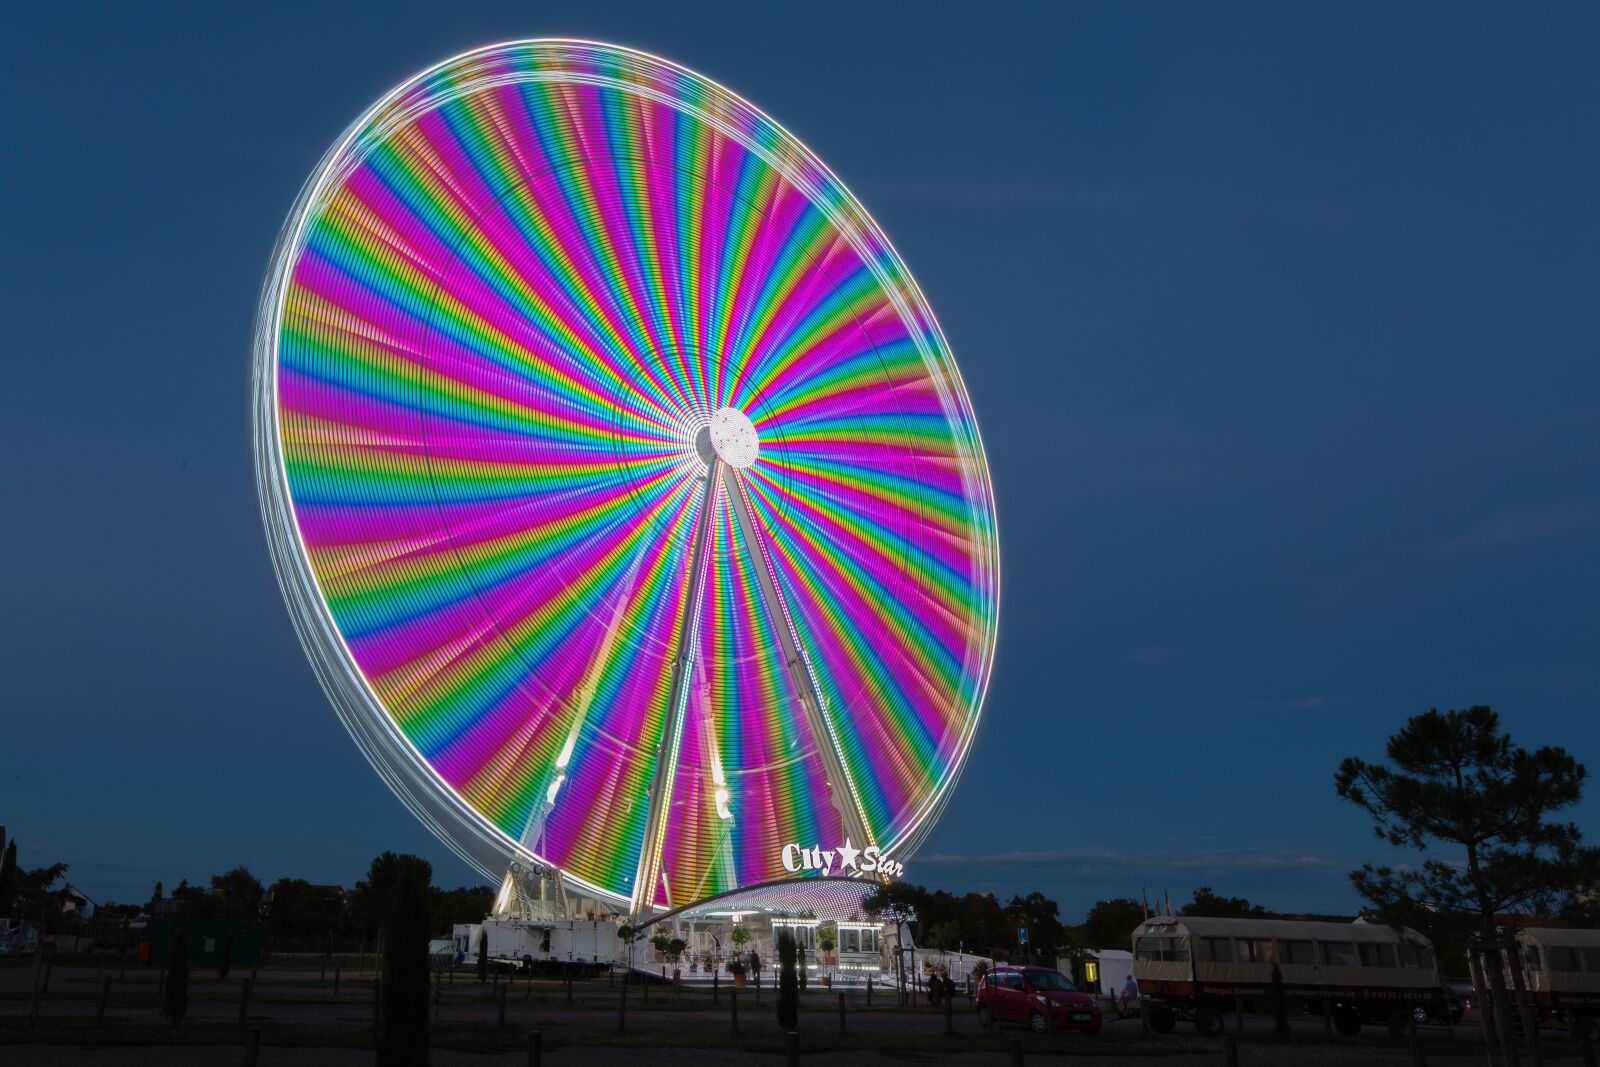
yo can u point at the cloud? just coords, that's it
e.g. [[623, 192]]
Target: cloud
[[1528, 528]]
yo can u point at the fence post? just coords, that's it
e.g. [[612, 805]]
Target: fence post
[[793, 1041], [1327, 1018], [244, 997], [1419, 1055], [569, 989], [377, 1009], [1016, 1052], [252, 1045], [1230, 1051], [49, 967], [105, 994], [535, 1049], [949, 1014], [1238, 1013], [622, 1009], [500, 1018], [869, 990], [733, 1008], [716, 990], [841, 1013], [336, 972], [161, 984], [1144, 1016]]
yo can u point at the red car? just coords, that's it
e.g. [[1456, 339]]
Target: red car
[[1038, 996]]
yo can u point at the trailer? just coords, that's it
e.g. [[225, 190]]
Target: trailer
[[1200, 969], [1562, 970], [562, 946]]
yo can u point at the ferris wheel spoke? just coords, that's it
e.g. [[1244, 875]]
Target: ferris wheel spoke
[[659, 807], [841, 784]]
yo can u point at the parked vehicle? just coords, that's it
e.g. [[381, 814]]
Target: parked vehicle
[[1201, 969], [1037, 997], [1449, 1006], [1562, 970]]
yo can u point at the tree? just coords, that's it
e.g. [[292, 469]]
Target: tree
[[1210, 904], [155, 897], [1110, 923], [483, 955], [175, 1003], [788, 984], [8, 878], [1039, 915], [407, 925], [1459, 786], [235, 894], [37, 895], [740, 936]]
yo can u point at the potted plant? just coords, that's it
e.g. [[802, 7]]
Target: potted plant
[[675, 949], [662, 941], [736, 968]]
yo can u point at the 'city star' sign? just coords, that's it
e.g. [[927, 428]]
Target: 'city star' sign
[[860, 860]]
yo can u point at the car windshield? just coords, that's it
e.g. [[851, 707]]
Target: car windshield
[[1053, 981]]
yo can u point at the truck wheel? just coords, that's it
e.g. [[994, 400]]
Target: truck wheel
[[1399, 1021], [1162, 1018], [1347, 1021], [1208, 1021]]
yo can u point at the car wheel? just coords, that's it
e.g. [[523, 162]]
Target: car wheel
[[983, 1015], [1038, 1023], [1162, 1019], [1419, 1015], [1208, 1021]]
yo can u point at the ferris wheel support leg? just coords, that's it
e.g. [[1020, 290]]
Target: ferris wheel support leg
[[655, 827], [841, 785]]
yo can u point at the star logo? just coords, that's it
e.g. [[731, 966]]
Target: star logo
[[848, 855]]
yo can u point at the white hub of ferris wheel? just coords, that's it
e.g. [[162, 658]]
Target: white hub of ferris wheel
[[734, 438]]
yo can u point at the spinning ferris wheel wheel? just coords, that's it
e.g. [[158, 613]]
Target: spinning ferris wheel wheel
[[621, 484]]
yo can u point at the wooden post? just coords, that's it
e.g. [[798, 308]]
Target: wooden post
[[1238, 1015], [48, 969], [322, 979], [869, 990], [1480, 983], [1327, 1018], [569, 989], [716, 989], [1016, 1052], [438, 987], [377, 1010], [336, 972], [841, 1013], [1587, 1048], [949, 1015], [500, 1018], [1144, 1016], [792, 1040], [622, 1009], [733, 1007], [535, 1049], [105, 995], [161, 984], [1230, 1051], [244, 997], [1419, 1055], [1529, 1029], [252, 1045]]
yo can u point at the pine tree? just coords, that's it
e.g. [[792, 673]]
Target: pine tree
[[176, 1004], [407, 924], [788, 983]]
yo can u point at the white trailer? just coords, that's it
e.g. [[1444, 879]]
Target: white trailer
[[519, 942]]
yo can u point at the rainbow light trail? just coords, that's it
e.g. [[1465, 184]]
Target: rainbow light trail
[[501, 313]]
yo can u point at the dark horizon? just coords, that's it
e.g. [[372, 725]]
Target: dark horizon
[[1278, 325]]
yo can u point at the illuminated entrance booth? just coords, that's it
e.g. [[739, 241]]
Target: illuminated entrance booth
[[622, 487], [825, 916]]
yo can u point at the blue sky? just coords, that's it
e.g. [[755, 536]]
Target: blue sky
[[1279, 321]]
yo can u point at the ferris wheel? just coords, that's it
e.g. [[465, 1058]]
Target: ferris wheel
[[622, 487]]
